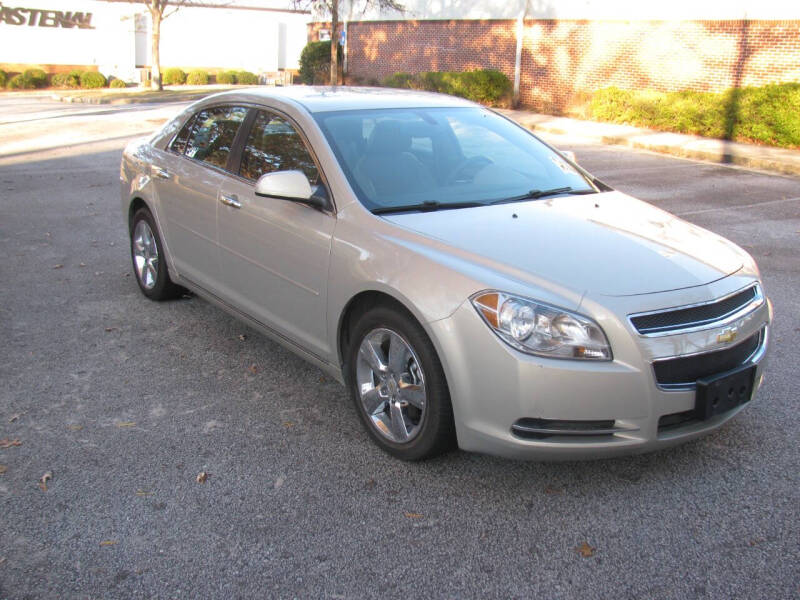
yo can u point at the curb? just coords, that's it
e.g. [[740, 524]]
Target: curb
[[724, 152], [120, 101]]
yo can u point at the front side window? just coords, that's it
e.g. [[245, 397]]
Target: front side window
[[274, 145], [213, 134], [178, 145], [395, 158]]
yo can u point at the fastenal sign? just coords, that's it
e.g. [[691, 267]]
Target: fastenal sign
[[35, 17]]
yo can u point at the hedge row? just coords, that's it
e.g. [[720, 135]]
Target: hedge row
[[32, 79], [176, 76], [768, 114], [486, 86]]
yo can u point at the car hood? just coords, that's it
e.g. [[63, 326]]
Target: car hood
[[608, 244]]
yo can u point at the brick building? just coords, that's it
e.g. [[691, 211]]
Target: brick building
[[556, 53]]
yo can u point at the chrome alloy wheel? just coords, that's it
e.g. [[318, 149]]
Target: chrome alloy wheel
[[145, 254], [391, 385]]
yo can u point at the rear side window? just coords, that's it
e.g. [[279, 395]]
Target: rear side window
[[213, 134], [274, 145], [179, 143]]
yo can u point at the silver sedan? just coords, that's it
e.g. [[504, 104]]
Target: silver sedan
[[468, 283]]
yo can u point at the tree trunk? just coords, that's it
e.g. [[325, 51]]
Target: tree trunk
[[155, 41], [334, 42]]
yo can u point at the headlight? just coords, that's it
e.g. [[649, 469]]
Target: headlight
[[541, 329]]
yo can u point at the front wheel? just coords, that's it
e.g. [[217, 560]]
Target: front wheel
[[148, 259], [399, 387]]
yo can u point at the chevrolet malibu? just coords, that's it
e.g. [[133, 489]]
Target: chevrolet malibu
[[468, 283]]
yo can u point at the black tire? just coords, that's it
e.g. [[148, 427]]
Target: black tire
[[437, 430], [162, 288]]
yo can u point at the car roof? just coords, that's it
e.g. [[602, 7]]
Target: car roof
[[324, 98]]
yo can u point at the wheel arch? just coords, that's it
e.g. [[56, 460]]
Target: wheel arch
[[358, 305], [135, 204]]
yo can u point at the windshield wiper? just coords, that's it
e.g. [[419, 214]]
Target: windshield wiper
[[427, 206], [534, 194]]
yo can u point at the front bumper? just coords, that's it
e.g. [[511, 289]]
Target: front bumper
[[494, 386]]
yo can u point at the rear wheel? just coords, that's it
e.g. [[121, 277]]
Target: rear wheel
[[398, 385], [147, 256]]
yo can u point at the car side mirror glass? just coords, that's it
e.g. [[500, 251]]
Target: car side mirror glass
[[287, 185]]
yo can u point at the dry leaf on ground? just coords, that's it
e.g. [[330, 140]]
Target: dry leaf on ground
[[44, 479], [58, 267], [202, 476], [143, 493], [585, 550], [108, 542], [412, 515], [126, 423], [74, 427], [553, 490], [7, 443], [3, 469], [253, 369]]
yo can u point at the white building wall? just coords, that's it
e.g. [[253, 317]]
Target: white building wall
[[192, 37]]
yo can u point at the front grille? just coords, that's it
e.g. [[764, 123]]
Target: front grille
[[688, 369], [694, 316]]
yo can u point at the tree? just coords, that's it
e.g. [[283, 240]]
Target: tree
[[331, 7]]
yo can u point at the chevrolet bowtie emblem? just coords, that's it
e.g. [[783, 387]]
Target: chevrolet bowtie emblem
[[727, 335]]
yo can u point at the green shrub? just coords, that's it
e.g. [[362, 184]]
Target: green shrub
[[246, 78], [197, 78], [92, 79], [19, 82], [118, 83], [173, 76], [401, 79], [226, 77], [3, 78], [37, 77], [67, 80], [315, 62], [769, 114], [486, 86]]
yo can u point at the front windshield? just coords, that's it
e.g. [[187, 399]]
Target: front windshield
[[443, 156]]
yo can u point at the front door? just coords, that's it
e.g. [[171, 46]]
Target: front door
[[188, 177], [274, 253]]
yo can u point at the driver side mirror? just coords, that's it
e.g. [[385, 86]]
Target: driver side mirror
[[291, 185]]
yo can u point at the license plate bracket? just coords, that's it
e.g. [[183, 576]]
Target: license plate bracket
[[721, 393]]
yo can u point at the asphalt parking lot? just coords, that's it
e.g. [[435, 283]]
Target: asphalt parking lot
[[125, 401]]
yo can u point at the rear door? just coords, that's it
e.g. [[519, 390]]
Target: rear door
[[188, 182], [274, 253]]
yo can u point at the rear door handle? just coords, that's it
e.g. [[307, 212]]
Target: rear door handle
[[161, 173], [230, 200]]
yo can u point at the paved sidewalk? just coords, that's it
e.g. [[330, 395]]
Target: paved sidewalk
[[777, 160]]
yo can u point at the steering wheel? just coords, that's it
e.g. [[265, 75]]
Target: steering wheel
[[475, 162]]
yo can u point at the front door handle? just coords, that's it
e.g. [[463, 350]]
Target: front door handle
[[231, 201], [161, 173]]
